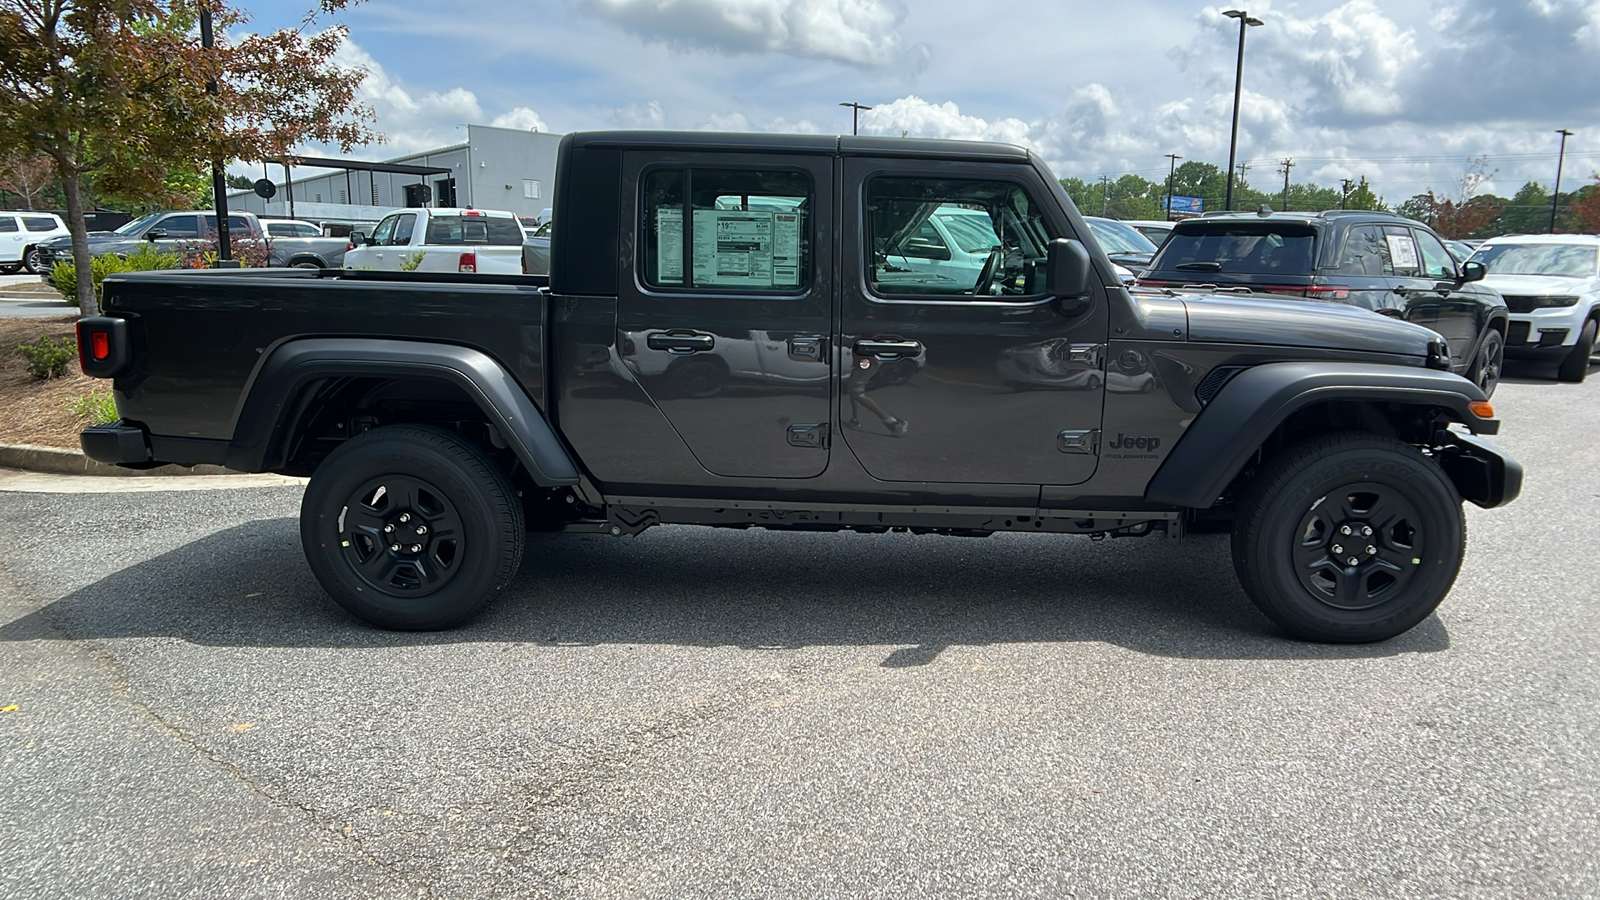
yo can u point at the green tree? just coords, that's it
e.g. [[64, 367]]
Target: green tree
[[1128, 197], [1527, 212], [241, 183], [121, 93]]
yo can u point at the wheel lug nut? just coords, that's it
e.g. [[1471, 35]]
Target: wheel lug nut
[[1337, 549], [422, 529], [1344, 530], [395, 547], [1354, 561], [1366, 532], [388, 529], [406, 517], [416, 548], [1372, 551]]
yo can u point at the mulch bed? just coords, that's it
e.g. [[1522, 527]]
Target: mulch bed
[[36, 412]]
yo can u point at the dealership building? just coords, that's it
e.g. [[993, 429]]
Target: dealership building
[[497, 168]]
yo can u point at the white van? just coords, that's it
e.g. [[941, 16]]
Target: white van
[[20, 236], [480, 241]]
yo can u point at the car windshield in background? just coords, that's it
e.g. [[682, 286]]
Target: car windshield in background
[[1115, 237], [135, 225], [1553, 260], [972, 231], [499, 230], [1242, 248]]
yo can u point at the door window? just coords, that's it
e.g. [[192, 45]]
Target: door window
[[1437, 263], [8, 224], [1365, 252], [749, 230], [178, 227], [39, 224], [994, 236], [385, 230], [403, 228], [1403, 254]]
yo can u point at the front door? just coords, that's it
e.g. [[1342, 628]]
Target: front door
[[1460, 309], [971, 373], [725, 322]]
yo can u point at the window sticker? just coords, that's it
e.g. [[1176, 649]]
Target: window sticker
[[669, 245], [1402, 250], [733, 248], [786, 249]]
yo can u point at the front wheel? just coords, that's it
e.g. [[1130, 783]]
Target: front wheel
[[1575, 365], [1491, 359], [411, 528], [1349, 538], [30, 262]]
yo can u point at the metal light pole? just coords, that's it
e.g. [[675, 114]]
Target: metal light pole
[[1555, 197], [855, 116], [219, 185], [1172, 172], [1238, 80]]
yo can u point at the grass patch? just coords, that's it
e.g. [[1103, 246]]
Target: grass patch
[[96, 408]]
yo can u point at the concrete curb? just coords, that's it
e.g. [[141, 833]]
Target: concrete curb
[[71, 462]]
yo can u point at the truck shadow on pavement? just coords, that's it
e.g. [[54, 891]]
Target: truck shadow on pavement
[[914, 595]]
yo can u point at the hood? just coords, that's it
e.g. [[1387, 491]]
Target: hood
[[1224, 319], [1540, 285], [94, 237]]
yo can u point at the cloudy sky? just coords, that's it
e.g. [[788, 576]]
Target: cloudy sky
[[1404, 92]]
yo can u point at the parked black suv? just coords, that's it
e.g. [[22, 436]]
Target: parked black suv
[[1373, 260]]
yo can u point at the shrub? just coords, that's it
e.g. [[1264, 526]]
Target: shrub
[[412, 262], [97, 408], [64, 276], [49, 357]]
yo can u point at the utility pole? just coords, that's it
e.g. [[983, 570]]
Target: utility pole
[[855, 116], [1172, 172], [1105, 193], [1344, 193], [219, 185], [1555, 196], [1243, 168], [1287, 165]]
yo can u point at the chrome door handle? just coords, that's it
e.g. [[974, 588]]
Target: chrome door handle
[[680, 341], [888, 349]]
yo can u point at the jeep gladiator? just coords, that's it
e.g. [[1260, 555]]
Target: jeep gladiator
[[730, 336]]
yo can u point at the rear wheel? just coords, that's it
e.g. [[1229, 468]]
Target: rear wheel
[[1575, 365], [1349, 538], [1491, 359], [411, 528]]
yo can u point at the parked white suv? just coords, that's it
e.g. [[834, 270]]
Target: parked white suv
[[480, 241], [20, 236], [1551, 283]]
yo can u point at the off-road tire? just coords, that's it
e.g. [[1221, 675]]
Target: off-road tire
[[1489, 363], [1291, 517], [405, 477], [1575, 365]]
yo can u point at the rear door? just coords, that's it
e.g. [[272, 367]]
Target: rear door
[[1366, 269], [970, 375], [726, 319], [1417, 296]]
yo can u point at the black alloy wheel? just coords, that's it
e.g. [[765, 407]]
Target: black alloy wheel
[[411, 527], [1349, 538], [1491, 360]]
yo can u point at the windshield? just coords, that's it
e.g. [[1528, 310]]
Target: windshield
[[136, 225], [1551, 260], [1278, 248], [1115, 237]]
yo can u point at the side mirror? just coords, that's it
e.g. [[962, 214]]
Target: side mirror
[[156, 234], [357, 238], [1067, 269], [1473, 271]]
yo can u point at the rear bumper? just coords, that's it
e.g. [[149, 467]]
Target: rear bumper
[[1482, 472], [116, 444]]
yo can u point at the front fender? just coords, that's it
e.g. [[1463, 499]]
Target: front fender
[[1241, 417], [261, 425]]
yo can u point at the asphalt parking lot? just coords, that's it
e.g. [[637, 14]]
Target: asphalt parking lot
[[23, 296], [747, 714]]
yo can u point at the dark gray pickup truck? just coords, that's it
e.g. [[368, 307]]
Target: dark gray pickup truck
[[760, 330]]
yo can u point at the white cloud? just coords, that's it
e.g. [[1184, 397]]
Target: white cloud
[[859, 32], [916, 117], [411, 121], [1353, 56]]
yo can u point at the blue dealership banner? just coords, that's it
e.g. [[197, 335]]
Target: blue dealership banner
[[1188, 205]]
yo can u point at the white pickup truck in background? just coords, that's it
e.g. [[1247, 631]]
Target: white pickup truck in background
[[440, 240]]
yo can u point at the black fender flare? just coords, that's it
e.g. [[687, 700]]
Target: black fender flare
[[1242, 415], [260, 439]]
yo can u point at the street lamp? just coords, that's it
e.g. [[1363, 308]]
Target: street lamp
[[1238, 78], [1555, 198], [855, 116]]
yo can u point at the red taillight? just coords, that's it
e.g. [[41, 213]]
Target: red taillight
[[469, 263], [472, 212], [349, 247], [1328, 292], [1149, 282], [100, 345]]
